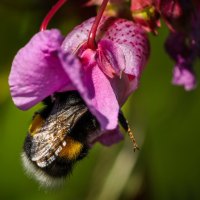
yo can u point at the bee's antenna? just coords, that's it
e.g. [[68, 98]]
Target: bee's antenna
[[124, 123]]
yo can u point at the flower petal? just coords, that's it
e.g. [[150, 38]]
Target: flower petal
[[123, 48], [184, 56], [124, 44], [123, 86], [129, 41], [184, 76], [110, 58], [108, 138], [36, 70], [96, 90], [126, 48], [77, 37]]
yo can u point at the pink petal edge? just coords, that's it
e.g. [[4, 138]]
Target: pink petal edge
[[96, 91], [36, 70]]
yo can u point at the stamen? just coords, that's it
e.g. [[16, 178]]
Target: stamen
[[92, 35], [51, 13], [125, 125]]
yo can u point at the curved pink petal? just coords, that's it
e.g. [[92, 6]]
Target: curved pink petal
[[126, 48], [96, 90], [110, 58], [36, 70], [107, 138], [122, 48], [127, 43], [123, 86], [184, 76], [123, 43], [77, 37]]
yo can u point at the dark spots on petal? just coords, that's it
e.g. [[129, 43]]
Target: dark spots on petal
[[138, 56], [71, 61], [129, 38], [117, 40], [132, 44], [68, 58], [131, 77], [65, 56]]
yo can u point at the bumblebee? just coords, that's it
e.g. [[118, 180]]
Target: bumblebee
[[58, 137]]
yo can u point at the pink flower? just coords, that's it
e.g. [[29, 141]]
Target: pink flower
[[183, 43], [176, 13], [104, 77], [183, 55]]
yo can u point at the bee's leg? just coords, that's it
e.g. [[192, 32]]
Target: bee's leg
[[125, 125]]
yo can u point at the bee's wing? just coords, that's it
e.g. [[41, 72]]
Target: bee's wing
[[48, 141]]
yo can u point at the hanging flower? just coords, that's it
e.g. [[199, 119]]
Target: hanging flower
[[104, 76], [145, 13], [183, 43], [182, 54]]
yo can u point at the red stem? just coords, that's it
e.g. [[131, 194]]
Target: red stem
[[51, 13], [92, 35]]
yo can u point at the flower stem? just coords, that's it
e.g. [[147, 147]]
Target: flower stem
[[51, 13], [91, 39]]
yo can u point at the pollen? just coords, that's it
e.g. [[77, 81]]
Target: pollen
[[72, 149]]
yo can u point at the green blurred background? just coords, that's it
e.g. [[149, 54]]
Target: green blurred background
[[165, 119]]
